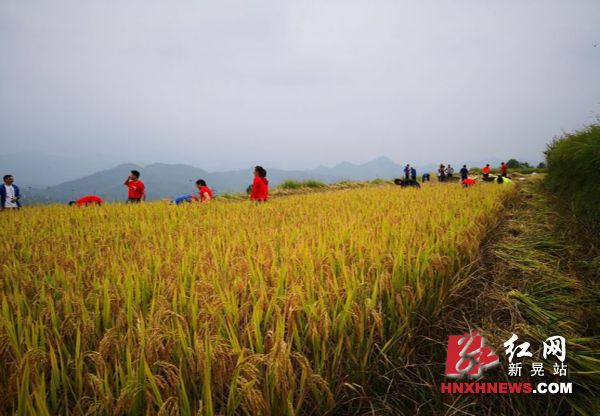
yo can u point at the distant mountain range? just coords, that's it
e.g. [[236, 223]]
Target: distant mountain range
[[167, 180]]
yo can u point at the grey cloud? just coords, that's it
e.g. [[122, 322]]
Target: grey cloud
[[232, 83]]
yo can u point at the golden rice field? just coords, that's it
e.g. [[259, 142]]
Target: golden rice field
[[292, 307]]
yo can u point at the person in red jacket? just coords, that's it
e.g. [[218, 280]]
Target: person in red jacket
[[205, 192], [87, 200], [137, 189], [486, 171], [504, 169], [468, 182], [260, 186]]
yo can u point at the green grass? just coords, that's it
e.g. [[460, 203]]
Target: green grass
[[379, 181], [573, 171], [291, 184], [539, 279]]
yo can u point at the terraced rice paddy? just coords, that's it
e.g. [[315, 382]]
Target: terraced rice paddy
[[296, 306]]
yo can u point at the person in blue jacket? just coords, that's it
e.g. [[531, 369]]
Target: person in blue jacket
[[9, 194], [183, 198]]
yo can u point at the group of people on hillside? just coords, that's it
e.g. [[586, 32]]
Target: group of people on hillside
[[136, 191], [10, 193], [486, 171], [204, 194], [446, 173], [259, 189]]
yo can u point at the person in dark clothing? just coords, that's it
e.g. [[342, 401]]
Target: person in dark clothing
[[464, 173], [406, 184], [407, 172], [426, 177], [413, 174], [442, 173]]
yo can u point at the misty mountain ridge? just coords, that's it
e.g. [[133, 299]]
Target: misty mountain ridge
[[168, 180]]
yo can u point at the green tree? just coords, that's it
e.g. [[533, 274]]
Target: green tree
[[515, 164]]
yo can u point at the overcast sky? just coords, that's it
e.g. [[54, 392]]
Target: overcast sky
[[293, 84]]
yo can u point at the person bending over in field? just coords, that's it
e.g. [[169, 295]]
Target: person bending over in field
[[260, 186], [468, 182], [137, 189], [87, 200], [406, 184], [9, 194], [501, 180], [185, 198], [204, 191]]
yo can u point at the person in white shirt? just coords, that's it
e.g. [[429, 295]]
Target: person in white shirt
[[9, 194]]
